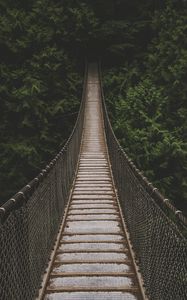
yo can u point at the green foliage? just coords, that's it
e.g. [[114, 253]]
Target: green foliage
[[147, 98], [143, 44], [40, 87]]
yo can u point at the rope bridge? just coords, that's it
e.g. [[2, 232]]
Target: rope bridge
[[154, 230]]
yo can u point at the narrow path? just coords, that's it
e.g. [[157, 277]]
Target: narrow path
[[93, 260]]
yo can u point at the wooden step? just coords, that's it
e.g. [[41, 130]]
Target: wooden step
[[92, 259]]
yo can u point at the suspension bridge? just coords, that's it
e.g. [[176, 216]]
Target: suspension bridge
[[90, 225]]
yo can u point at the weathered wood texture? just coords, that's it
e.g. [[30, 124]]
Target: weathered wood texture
[[93, 259]]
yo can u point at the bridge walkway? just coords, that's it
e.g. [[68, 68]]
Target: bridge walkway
[[93, 259]]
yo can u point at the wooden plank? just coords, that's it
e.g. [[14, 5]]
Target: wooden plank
[[91, 274], [92, 289], [93, 185], [94, 251]]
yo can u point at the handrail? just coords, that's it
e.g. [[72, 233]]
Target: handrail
[[26, 192], [29, 222], [157, 230], [151, 189]]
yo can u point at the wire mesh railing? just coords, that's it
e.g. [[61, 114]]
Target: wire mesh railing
[[157, 229], [29, 222]]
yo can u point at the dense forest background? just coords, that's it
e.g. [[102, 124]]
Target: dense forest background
[[143, 48]]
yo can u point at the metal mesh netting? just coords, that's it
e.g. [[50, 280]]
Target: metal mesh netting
[[30, 221], [158, 240]]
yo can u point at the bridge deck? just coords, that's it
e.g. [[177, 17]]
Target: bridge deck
[[93, 259]]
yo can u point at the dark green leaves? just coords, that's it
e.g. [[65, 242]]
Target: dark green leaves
[[40, 85], [147, 100]]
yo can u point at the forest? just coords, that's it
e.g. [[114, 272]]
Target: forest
[[142, 46]]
